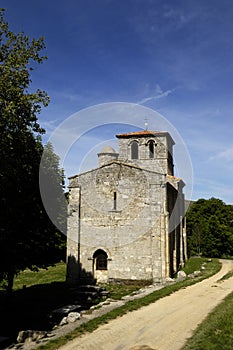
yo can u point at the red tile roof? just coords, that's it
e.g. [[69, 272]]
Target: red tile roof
[[142, 133]]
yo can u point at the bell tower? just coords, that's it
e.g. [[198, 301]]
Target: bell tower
[[151, 150]]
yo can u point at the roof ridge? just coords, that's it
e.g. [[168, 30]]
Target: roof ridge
[[141, 133]]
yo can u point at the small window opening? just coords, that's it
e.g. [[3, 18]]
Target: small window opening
[[134, 150], [151, 149], [114, 200]]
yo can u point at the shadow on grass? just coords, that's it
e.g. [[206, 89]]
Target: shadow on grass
[[30, 308]]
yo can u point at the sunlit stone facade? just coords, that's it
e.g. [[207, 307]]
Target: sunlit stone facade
[[126, 217]]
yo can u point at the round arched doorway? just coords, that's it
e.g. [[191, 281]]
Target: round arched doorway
[[100, 266]]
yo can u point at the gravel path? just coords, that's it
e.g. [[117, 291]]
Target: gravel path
[[163, 325]]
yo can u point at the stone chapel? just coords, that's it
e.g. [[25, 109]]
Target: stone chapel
[[126, 217]]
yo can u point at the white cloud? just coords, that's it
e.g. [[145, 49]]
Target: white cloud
[[180, 17], [226, 155], [71, 97], [159, 94], [50, 125]]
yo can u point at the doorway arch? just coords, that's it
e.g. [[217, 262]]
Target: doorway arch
[[100, 266]]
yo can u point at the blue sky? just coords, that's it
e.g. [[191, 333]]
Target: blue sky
[[175, 57]]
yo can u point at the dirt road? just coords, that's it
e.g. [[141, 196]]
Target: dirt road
[[163, 325]]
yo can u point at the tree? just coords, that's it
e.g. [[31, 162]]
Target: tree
[[27, 237], [209, 228], [55, 202]]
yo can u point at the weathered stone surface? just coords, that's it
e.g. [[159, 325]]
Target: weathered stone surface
[[181, 275], [30, 335], [63, 321], [169, 280], [65, 310], [72, 317], [121, 211], [104, 293], [197, 273], [194, 274]]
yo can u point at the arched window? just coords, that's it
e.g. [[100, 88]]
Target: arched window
[[151, 145], [101, 259], [134, 150]]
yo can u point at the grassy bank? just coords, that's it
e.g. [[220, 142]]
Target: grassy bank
[[212, 267], [29, 278], [37, 294], [216, 331]]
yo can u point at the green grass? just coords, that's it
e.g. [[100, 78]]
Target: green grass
[[211, 268], [29, 278], [117, 291], [194, 264], [46, 290], [226, 276], [215, 332], [30, 307], [37, 294]]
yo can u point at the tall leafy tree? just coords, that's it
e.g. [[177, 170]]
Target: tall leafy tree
[[52, 181], [27, 237], [210, 228]]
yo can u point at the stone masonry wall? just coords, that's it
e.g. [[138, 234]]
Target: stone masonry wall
[[129, 230], [124, 210], [162, 156]]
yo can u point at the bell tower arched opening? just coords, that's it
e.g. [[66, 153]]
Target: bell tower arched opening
[[151, 145], [134, 150]]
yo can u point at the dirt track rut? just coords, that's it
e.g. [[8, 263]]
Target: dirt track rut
[[163, 325]]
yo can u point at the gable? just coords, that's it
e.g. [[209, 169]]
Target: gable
[[111, 168], [116, 187]]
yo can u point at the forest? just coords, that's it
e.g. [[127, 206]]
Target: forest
[[210, 228]]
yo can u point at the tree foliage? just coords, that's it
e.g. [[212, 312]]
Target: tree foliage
[[210, 228], [52, 181], [27, 237]]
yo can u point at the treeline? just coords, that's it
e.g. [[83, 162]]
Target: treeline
[[210, 228], [28, 238]]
